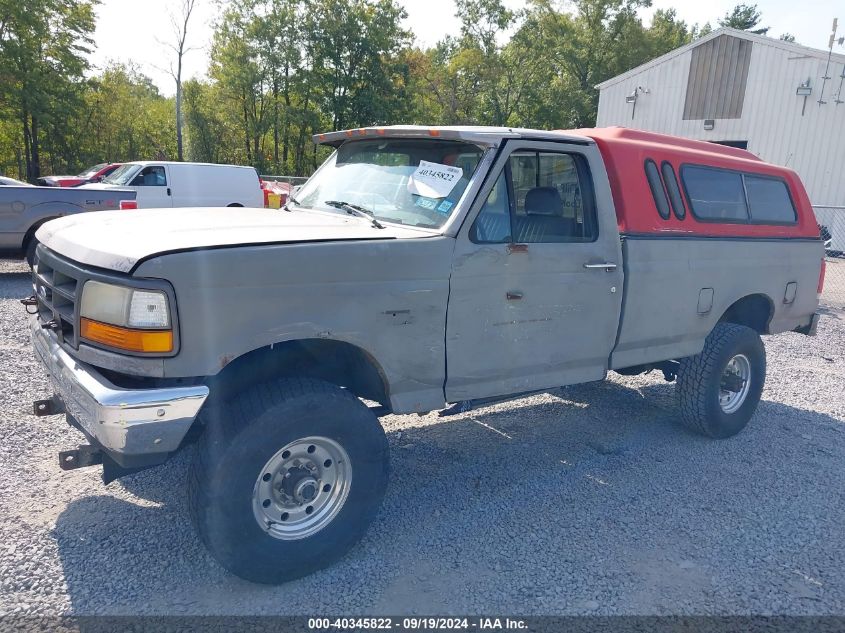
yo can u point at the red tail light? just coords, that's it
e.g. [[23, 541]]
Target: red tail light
[[821, 278], [128, 204]]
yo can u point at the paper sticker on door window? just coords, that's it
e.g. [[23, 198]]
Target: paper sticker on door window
[[434, 180]]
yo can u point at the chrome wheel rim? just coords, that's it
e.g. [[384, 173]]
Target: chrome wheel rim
[[735, 383], [301, 488]]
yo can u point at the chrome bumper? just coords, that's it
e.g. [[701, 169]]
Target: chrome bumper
[[124, 422]]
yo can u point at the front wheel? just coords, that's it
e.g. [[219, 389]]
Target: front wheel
[[718, 389], [287, 478], [29, 253]]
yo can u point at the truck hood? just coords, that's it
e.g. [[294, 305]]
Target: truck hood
[[118, 240]]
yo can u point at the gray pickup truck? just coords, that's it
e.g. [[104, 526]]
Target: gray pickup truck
[[23, 209], [419, 269]]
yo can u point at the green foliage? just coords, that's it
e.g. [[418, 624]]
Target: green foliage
[[125, 119], [283, 70], [744, 17], [43, 44]]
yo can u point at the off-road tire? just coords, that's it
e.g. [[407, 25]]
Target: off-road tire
[[31, 245], [241, 435], [699, 380]]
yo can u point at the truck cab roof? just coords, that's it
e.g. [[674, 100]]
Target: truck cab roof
[[627, 154]]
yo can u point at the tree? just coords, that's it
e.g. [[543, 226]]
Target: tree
[[43, 48], [787, 37], [212, 122], [238, 68], [667, 32], [744, 17], [602, 39], [356, 47], [179, 23], [126, 118]]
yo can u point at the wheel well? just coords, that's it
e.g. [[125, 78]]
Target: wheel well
[[30, 233], [754, 311], [235, 204], [337, 362]]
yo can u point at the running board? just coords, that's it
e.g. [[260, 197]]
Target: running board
[[468, 405]]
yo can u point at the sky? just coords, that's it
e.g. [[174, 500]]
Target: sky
[[127, 34]]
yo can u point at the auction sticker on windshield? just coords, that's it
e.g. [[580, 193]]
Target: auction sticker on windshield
[[434, 180]]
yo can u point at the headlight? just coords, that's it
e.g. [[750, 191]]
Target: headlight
[[126, 318]]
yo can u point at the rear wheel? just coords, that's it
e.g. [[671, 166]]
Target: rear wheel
[[719, 388], [287, 478]]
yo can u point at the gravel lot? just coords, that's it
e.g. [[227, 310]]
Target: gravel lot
[[586, 500], [834, 282]]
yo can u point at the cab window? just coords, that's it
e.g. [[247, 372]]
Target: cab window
[[539, 197], [493, 225], [151, 176]]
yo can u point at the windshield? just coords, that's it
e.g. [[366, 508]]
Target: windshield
[[88, 173], [407, 181], [123, 175]]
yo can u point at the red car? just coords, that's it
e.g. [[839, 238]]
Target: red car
[[92, 174]]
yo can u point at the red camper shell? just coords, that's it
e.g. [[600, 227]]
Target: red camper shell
[[668, 185]]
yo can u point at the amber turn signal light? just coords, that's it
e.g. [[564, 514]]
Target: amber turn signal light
[[149, 341]]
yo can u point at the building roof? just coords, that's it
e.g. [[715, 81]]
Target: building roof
[[798, 49]]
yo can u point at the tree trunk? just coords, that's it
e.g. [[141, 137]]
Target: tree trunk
[[286, 133], [246, 132], [26, 145], [36, 152], [300, 146], [179, 152], [276, 120], [30, 139]]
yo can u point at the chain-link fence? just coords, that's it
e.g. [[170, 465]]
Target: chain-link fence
[[832, 222]]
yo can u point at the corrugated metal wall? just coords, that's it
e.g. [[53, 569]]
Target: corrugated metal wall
[[717, 77], [771, 120]]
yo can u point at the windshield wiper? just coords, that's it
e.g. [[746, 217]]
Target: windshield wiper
[[354, 209], [289, 200]]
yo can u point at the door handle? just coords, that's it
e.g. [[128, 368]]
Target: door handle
[[168, 191], [513, 295], [608, 266]]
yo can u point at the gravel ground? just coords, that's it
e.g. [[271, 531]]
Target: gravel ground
[[834, 282], [588, 500]]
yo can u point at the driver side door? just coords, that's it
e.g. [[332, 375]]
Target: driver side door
[[153, 187], [536, 285]]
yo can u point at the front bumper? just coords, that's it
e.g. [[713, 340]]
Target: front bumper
[[131, 425]]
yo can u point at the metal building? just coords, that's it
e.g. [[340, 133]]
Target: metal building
[[782, 101]]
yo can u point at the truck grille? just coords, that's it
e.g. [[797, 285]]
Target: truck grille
[[58, 288]]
